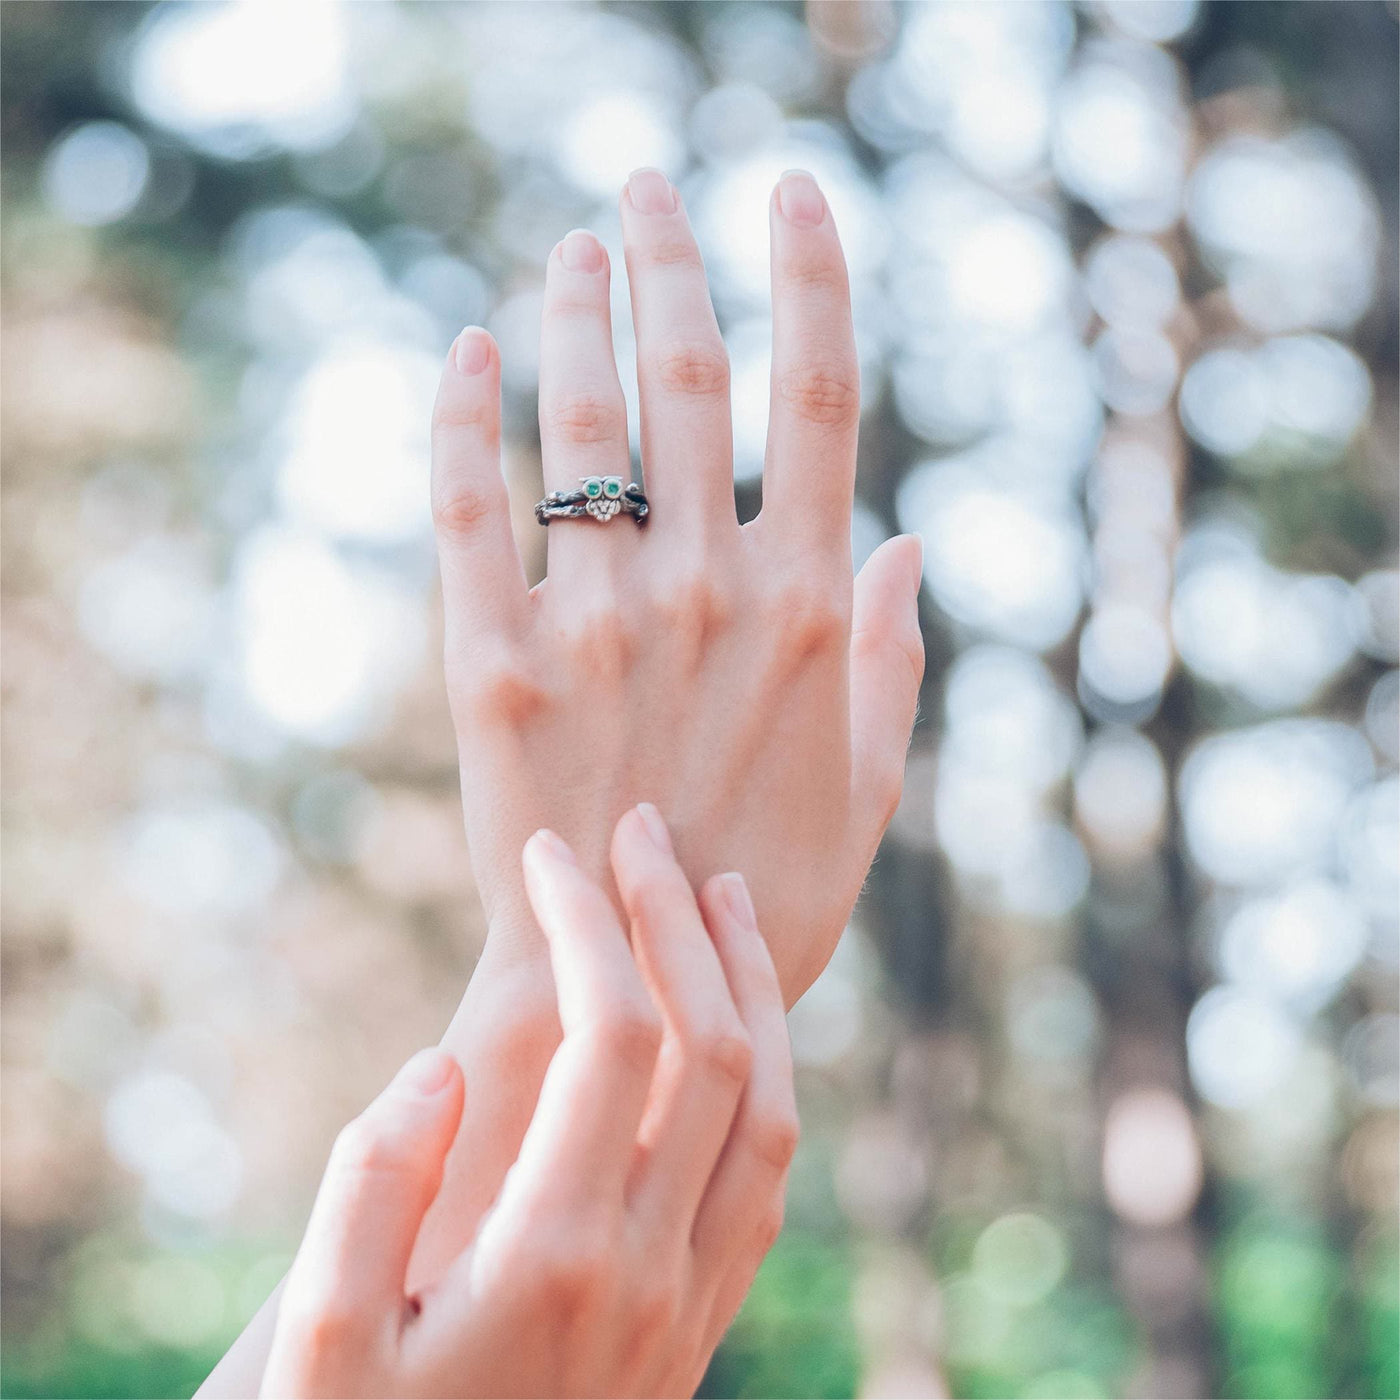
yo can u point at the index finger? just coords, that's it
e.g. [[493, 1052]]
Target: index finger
[[483, 583]]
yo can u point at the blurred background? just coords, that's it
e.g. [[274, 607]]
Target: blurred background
[[1100, 1090]]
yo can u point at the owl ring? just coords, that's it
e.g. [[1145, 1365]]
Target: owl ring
[[602, 497]]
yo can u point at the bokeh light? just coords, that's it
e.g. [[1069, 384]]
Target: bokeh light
[[1099, 1092]]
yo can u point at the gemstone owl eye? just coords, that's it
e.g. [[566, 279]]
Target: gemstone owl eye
[[593, 488], [612, 487]]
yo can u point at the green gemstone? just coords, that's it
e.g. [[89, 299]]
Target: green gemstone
[[613, 487], [593, 487]]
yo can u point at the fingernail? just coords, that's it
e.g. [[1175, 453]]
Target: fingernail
[[736, 896], [655, 827], [554, 845], [651, 192], [581, 252], [473, 350], [426, 1073], [800, 199], [916, 553]]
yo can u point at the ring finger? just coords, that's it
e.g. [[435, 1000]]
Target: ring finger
[[583, 417]]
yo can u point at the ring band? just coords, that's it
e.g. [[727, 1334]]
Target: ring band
[[602, 497]]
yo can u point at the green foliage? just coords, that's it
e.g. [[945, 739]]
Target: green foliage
[[793, 1337], [1276, 1288], [80, 1369]]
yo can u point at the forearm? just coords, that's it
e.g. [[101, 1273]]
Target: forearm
[[240, 1370], [503, 1034]]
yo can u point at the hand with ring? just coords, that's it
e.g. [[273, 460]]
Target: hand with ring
[[738, 676]]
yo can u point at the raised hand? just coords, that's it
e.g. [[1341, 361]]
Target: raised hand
[[648, 1187], [738, 677]]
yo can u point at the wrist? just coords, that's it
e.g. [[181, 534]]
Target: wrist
[[509, 1005]]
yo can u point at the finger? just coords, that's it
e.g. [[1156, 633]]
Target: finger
[[682, 364], [384, 1170], [705, 1057], [583, 417], [482, 578], [887, 668], [736, 1282], [581, 1140], [810, 462], [738, 1206]]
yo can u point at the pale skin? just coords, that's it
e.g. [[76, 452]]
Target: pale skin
[[741, 678], [647, 1188]]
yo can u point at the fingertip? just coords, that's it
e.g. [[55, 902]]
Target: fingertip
[[426, 1075], [581, 251], [653, 826], [911, 548], [738, 901], [545, 855], [546, 850], [472, 350], [895, 569], [728, 911], [799, 199], [641, 832]]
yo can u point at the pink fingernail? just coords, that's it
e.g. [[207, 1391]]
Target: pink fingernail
[[736, 896], [800, 199], [581, 252], [651, 192], [555, 846], [426, 1073], [655, 826], [473, 350]]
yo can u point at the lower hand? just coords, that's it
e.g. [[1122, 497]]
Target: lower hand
[[647, 1190]]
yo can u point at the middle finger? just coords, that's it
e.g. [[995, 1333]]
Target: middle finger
[[682, 365]]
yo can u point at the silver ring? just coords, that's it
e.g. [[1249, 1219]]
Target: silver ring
[[602, 497]]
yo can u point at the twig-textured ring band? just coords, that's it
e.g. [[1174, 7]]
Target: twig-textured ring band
[[602, 497]]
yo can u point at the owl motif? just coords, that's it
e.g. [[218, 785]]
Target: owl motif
[[604, 496]]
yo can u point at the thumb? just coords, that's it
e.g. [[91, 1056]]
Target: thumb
[[384, 1170], [887, 668]]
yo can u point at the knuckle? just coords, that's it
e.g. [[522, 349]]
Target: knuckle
[[650, 902], [602, 642], [460, 511], [694, 602], [810, 618], [672, 252], [773, 1137], [700, 370], [818, 273], [727, 1055], [575, 303], [653, 1310], [573, 1264], [581, 418], [770, 1227], [874, 645], [452, 413], [324, 1328], [629, 1035], [828, 397], [888, 793], [909, 646], [364, 1150], [498, 688]]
